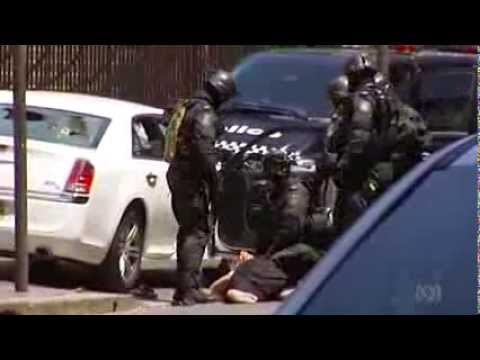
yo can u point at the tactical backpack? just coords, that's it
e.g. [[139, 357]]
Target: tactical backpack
[[174, 123]]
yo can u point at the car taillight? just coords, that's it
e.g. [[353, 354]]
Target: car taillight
[[405, 49], [81, 178]]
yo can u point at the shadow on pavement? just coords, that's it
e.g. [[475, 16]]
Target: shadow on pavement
[[69, 275], [55, 274], [167, 278], [61, 274]]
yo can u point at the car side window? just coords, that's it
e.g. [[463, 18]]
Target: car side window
[[419, 260], [148, 137], [402, 77], [446, 99]]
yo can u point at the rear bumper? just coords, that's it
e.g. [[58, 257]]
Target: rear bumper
[[58, 227]]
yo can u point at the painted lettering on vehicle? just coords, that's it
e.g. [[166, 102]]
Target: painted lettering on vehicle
[[244, 129], [235, 147]]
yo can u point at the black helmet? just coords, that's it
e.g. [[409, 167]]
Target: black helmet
[[358, 68], [220, 85], [360, 63], [338, 89]]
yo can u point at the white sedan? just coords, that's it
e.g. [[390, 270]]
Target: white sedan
[[97, 191]]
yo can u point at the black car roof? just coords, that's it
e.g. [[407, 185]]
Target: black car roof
[[316, 50], [425, 58], [429, 59], [342, 54]]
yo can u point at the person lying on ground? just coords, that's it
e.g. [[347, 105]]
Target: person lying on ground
[[266, 278]]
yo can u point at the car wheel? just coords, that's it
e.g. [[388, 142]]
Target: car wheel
[[120, 271]]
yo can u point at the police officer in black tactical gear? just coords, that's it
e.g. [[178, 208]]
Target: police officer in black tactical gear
[[379, 134], [192, 179], [410, 134], [296, 216], [290, 201], [362, 149], [291, 238], [338, 92]]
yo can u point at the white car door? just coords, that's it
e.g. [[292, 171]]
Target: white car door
[[161, 231]]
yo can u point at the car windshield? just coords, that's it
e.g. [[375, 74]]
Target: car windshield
[[446, 100], [407, 266], [298, 81], [57, 126]]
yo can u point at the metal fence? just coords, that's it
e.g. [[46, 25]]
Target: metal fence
[[155, 75]]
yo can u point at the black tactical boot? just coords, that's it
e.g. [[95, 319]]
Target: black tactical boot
[[191, 297]]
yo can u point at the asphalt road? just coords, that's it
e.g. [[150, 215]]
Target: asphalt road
[[162, 307]]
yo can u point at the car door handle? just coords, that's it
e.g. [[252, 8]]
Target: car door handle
[[152, 180]]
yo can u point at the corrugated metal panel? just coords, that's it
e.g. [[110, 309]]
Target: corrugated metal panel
[[154, 75]]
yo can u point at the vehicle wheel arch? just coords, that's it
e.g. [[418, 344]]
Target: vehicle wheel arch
[[139, 205], [133, 201], [111, 277]]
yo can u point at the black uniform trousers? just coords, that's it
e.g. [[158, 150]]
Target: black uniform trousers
[[190, 207], [291, 211]]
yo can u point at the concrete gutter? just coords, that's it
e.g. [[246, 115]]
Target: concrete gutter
[[69, 304], [42, 300]]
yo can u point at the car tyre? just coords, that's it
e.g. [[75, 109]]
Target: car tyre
[[121, 269]]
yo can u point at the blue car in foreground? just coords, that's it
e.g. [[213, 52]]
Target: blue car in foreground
[[414, 252]]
